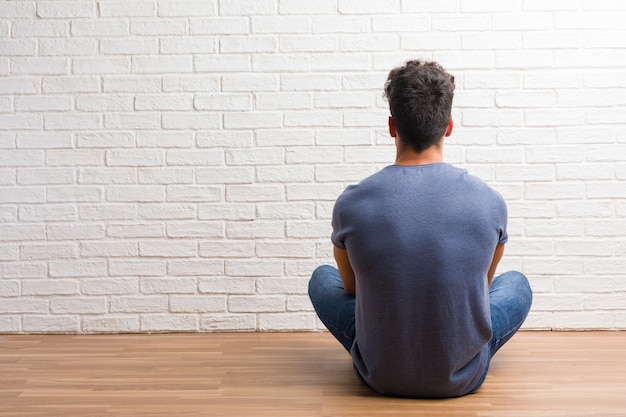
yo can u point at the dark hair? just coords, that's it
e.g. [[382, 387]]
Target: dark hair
[[420, 100]]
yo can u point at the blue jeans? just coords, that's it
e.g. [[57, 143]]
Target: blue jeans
[[510, 298]]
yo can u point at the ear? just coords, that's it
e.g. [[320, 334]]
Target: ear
[[392, 128], [450, 127]]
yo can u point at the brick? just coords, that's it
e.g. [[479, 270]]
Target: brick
[[10, 289], [77, 268], [197, 193], [315, 82], [129, 46], [195, 230], [339, 62], [135, 304], [232, 139], [10, 324], [564, 190], [130, 84], [128, 193], [253, 120], [105, 140], [285, 250], [294, 321], [248, 44], [132, 121], [227, 249], [168, 248], [247, 7], [165, 176], [74, 232], [221, 285], [127, 9], [67, 47], [43, 103], [256, 303], [110, 324], [253, 157], [225, 175], [78, 305], [19, 85], [163, 103], [247, 83], [135, 230], [228, 322], [136, 267], [75, 194], [279, 174], [106, 212], [9, 252], [7, 177], [188, 45], [21, 122], [135, 158], [18, 47], [161, 64], [187, 8], [23, 270], [51, 324], [158, 27], [254, 193], [108, 249], [65, 9], [318, 118], [283, 285], [70, 84], [106, 28], [159, 139], [197, 304], [72, 121], [18, 10], [282, 211], [89, 102], [21, 158], [23, 195], [57, 212], [219, 26], [196, 120], [109, 286], [167, 211], [189, 83], [107, 176], [256, 229], [309, 229], [168, 285], [168, 323], [223, 102], [195, 268]]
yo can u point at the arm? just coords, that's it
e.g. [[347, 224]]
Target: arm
[[497, 255], [345, 269]]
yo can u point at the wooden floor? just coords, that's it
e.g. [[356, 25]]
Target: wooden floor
[[291, 374]]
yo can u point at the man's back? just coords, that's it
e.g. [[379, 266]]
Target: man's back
[[420, 240]]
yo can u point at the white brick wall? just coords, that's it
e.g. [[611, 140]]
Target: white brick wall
[[172, 165]]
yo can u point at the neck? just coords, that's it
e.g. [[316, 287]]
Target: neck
[[407, 156]]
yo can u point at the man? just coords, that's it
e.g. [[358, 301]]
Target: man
[[417, 244]]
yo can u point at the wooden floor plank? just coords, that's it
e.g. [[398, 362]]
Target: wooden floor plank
[[547, 374]]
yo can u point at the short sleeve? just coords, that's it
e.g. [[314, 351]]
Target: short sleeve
[[338, 234], [502, 221]]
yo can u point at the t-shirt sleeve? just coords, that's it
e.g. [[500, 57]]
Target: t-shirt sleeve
[[338, 234], [502, 221]]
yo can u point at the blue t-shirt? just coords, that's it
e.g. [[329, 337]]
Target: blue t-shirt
[[420, 240]]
